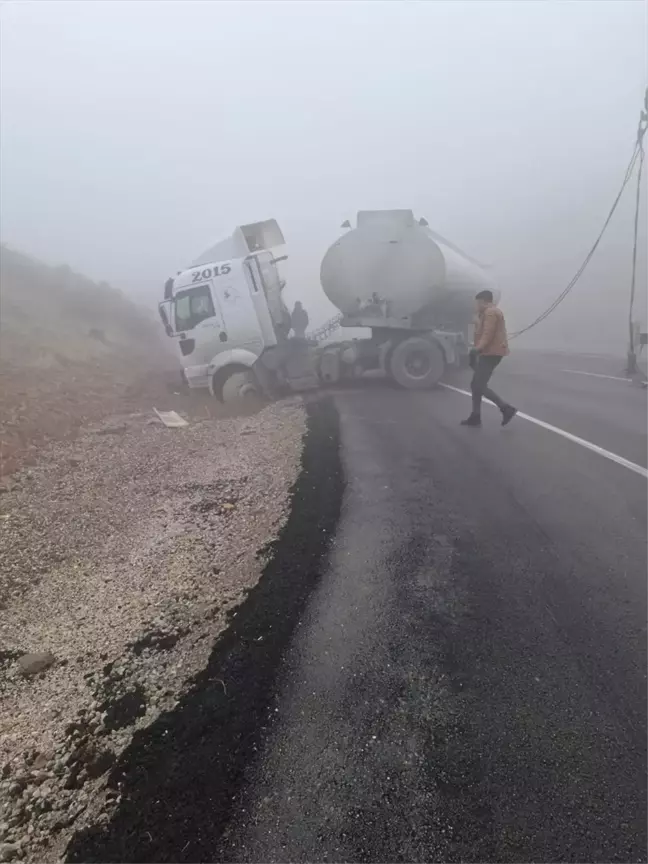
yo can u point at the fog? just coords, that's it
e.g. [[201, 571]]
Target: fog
[[134, 134]]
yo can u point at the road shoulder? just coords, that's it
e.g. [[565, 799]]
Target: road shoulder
[[125, 554]]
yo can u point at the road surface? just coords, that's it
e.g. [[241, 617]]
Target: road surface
[[464, 678]]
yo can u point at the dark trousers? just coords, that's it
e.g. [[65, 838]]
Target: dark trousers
[[484, 368]]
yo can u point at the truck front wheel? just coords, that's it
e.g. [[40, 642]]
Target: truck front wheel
[[417, 363], [241, 389]]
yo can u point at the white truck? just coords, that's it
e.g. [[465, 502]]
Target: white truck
[[392, 274]]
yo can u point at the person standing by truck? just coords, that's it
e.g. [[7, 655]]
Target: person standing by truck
[[490, 346], [299, 321]]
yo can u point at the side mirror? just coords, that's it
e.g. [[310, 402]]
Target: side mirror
[[345, 224], [423, 222], [165, 321]]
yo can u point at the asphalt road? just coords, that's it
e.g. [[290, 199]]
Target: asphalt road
[[469, 680], [446, 658], [571, 392]]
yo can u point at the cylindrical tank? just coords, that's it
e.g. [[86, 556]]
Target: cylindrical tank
[[400, 266]]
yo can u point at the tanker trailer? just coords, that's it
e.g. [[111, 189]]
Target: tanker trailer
[[411, 287]]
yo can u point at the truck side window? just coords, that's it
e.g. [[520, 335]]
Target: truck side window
[[193, 306]]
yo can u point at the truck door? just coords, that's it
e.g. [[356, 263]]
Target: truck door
[[198, 320]]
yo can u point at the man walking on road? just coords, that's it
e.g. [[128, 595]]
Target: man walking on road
[[491, 344]]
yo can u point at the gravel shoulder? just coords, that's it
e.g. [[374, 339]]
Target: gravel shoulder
[[124, 554]]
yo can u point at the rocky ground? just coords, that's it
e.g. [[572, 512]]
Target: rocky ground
[[71, 352], [125, 552]]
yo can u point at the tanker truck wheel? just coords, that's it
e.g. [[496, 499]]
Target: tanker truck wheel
[[241, 391], [417, 363]]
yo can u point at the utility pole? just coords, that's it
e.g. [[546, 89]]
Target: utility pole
[[632, 326]]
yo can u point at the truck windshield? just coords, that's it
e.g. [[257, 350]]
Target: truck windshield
[[193, 306]]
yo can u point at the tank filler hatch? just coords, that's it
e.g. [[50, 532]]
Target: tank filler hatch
[[372, 217]]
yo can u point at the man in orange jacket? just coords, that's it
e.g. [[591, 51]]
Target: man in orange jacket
[[491, 344]]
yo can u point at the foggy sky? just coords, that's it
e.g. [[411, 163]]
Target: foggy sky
[[136, 134]]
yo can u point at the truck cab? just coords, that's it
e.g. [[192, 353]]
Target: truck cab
[[225, 312]]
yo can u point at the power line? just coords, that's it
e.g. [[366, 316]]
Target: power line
[[637, 155]]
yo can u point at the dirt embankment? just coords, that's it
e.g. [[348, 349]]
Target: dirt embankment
[[126, 546], [71, 351]]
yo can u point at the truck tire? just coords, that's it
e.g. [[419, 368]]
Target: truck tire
[[417, 363], [241, 389]]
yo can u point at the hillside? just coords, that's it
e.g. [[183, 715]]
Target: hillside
[[126, 545], [71, 351]]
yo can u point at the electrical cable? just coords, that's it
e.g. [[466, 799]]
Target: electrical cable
[[637, 153]]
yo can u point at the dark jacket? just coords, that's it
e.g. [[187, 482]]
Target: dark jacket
[[299, 319]]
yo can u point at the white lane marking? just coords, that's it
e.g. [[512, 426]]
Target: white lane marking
[[597, 375], [613, 457]]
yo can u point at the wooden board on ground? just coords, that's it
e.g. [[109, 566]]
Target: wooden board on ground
[[171, 419]]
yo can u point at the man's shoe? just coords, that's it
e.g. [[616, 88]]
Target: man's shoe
[[473, 420], [508, 414]]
